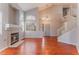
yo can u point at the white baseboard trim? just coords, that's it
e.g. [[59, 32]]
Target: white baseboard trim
[[3, 49]]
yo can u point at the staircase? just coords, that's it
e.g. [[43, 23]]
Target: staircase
[[67, 32]]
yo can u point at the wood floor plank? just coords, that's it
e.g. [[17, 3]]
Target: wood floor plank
[[42, 46]]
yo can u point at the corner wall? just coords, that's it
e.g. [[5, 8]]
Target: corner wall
[[4, 8]]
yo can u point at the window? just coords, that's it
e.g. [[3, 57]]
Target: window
[[30, 23], [22, 20], [30, 17]]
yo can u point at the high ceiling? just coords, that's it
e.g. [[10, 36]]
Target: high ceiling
[[28, 6]]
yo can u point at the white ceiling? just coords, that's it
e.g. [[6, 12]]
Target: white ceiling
[[28, 6]]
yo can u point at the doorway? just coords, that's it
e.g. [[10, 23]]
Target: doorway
[[46, 29]]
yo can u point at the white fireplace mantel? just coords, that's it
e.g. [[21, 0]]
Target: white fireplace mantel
[[12, 29]]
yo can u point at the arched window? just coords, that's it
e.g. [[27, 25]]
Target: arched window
[[30, 23], [22, 20]]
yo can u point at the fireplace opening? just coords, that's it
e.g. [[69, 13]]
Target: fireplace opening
[[14, 38]]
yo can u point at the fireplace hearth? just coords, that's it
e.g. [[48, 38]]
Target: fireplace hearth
[[14, 38]]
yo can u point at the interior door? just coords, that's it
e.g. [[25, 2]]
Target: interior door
[[46, 29]]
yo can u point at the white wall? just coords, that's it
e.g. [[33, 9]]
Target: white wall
[[69, 37], [78, 27], [5, 13], [0, 30], [34, 34]]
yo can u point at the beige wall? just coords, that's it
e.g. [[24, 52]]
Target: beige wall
[[55, 14], [13, 15]]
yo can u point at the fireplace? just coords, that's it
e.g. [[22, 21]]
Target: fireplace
[[14, 38]]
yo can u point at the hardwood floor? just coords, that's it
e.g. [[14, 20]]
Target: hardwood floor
[[41, 46]]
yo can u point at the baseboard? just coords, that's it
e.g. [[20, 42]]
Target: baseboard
[[51, 36], [34, 37], [3, 49]]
